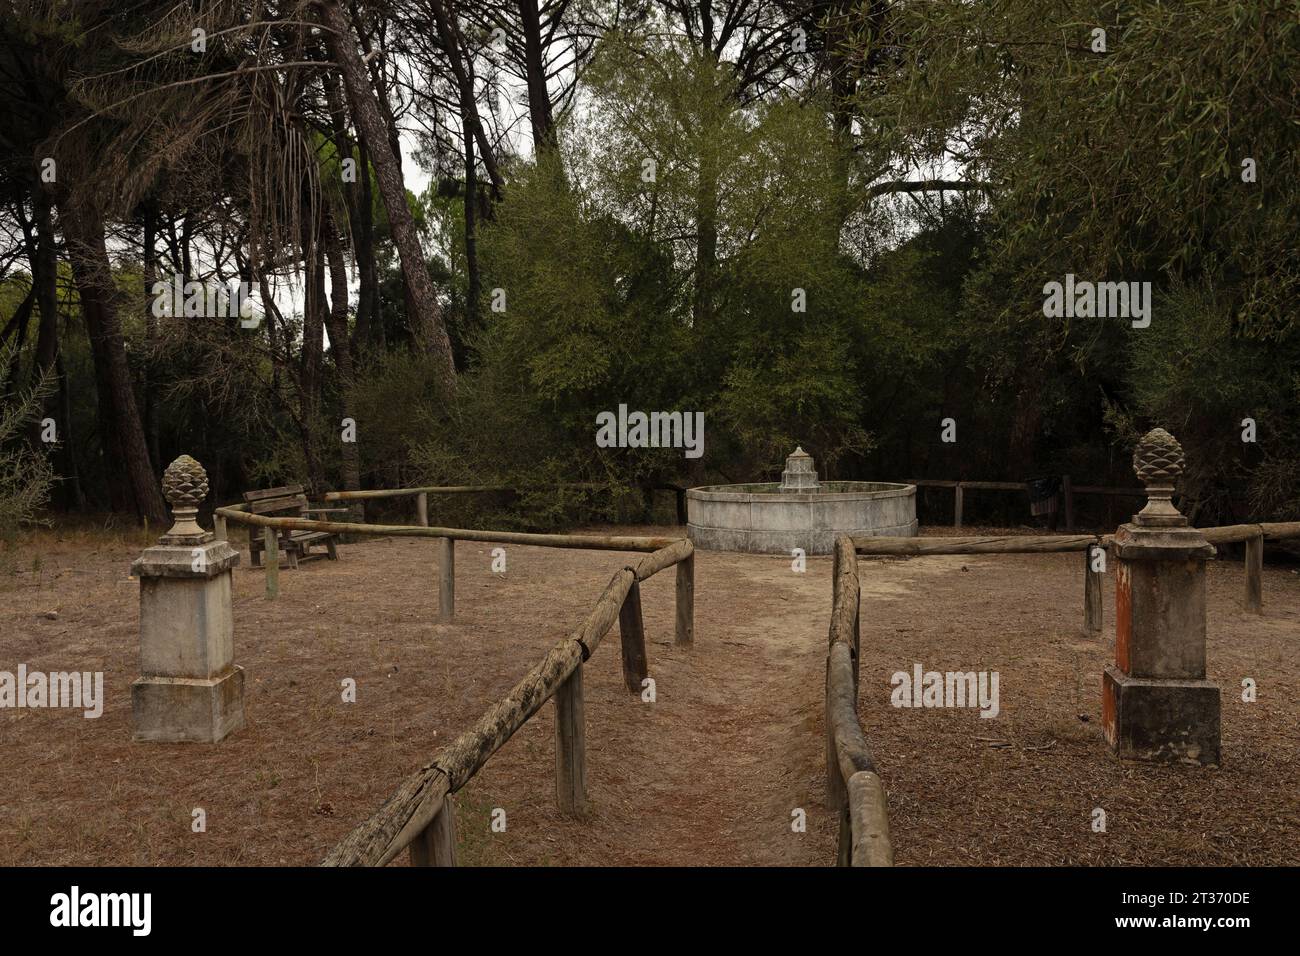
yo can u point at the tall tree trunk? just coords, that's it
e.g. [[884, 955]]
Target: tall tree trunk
[[17, 327], [471, 230], [427, 324], [309, 375], [369, 304], [461, 61], [123, 432], [150, 390], [539, 96], [45, 273], [76, 496], [352, 198], [336, 322]]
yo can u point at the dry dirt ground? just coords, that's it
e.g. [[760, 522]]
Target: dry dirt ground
[[709, 774]]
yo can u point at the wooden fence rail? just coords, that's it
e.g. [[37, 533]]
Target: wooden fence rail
[[1252, 535], [421, 494], [447, 538], [420, 813], [1068, 491], [853, 789]]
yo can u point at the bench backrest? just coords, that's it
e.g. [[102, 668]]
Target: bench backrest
[[274, 500]]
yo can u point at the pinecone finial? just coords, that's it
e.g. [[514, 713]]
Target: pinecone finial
[[1158, 462], [185, 485]]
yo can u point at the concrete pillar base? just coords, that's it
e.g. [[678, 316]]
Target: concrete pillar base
[[1161, 720], [188, 709]]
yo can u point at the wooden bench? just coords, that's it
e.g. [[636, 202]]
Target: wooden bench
[[288, 502]]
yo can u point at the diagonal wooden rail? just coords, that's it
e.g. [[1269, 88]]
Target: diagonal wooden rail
[[420, 814]]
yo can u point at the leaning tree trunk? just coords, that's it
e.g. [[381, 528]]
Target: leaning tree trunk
[[427, 325], [123, 432]]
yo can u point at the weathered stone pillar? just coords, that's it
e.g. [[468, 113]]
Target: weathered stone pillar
[[189, 688], [1156, 703]]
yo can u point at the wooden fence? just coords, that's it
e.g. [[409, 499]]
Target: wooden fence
[[421, 495], [852, 786], [1253, 535], [447, 538], [853, 790], [1068, 491], [420, 815]]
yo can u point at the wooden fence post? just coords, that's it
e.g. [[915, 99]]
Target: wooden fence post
[[956, 505], [632, 631], [436, 844], [422, 509], [570, 747], [271, 559], [686, 602], [219, 527], [1067, 492], [1255, 573], [1092, 607], [446, 580]]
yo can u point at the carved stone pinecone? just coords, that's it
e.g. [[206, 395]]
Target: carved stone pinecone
[[185, 483], [1158, 458]]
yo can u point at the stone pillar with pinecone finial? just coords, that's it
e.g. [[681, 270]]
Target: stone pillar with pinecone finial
[[1156, 702], [190, 688]]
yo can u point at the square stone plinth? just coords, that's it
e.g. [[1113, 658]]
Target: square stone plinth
[[1160, 721], [1160, 618], [186, 628], [188, 710]]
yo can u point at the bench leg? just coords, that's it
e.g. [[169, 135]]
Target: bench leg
[[332, 549], [291, 552]]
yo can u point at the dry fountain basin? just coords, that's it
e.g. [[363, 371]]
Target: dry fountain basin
[[798, 512]]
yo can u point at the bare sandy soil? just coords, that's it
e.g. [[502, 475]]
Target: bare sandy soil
[[709, 774]]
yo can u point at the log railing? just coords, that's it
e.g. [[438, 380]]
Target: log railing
[[853, 790], [421, 494], [1068, 491], [420, 815], [447, 538], [1253, 535]]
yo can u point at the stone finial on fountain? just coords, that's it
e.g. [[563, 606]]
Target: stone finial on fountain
[[1158, 462], [799, 475], [185, 485]]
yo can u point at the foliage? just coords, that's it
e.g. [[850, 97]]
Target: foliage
[[25, 472]]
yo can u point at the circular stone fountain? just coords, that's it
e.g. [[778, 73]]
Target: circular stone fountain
[[800, 512]]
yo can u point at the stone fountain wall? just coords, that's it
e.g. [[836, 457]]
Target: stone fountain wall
[[800, 512]]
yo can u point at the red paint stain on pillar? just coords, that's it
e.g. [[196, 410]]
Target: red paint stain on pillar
[[1123, 615]]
